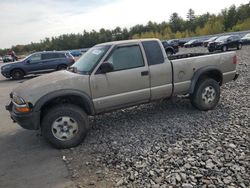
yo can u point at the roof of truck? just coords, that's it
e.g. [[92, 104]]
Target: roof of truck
[[126, 41]]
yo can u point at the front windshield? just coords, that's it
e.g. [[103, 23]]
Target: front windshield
[[89, 60], [222, 39]]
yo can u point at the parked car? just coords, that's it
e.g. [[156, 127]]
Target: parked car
[[182, 42], [37, 63], [7, 58], [193, 43], [112, 76], [246, 39], [76, 53], [170, 47], [224, 43], [212, 39]]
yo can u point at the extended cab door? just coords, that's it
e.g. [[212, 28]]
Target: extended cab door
[[160, 69], [127, 85]]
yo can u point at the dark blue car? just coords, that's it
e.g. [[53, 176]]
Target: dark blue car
[[37, 63]]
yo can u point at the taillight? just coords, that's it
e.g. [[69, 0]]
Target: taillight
[[234, 59], [72, 60]]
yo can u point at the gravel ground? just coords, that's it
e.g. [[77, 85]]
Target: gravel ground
[[169, 143]]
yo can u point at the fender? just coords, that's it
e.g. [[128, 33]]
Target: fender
[[202, 71], [65, 92]]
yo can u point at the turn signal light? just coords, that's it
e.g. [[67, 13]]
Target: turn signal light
[[23, 109]]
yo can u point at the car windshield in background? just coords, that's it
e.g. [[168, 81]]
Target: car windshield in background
[[222, 39], [89, 60], [191, 41], [247, 35], [212, 39]]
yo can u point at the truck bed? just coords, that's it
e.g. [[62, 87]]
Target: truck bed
[[187, 55]]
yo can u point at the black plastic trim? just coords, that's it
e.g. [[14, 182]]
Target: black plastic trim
[[65, 92], [201, 72]]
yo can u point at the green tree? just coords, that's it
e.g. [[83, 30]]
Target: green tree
[[190, 14], [176, 22]]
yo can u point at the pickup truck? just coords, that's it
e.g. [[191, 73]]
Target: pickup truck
[[112, 76]]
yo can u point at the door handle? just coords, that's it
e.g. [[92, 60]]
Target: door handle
[[144, 73]]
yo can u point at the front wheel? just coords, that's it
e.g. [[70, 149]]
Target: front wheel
[[65, 126], [224, 48], [206, 94], [239, 46], [169, 53], [17, 74]]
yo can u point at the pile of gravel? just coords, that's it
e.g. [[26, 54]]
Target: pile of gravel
[[169, 143]]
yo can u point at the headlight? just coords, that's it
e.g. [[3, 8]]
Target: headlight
[[5, 67], [20, 104], [18, 100]]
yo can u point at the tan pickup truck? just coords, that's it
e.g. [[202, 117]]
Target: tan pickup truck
[[112, 76]]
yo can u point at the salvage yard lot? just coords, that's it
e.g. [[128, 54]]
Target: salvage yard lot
[[154, 145], [27, 161]]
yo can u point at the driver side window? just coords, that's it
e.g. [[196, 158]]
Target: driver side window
[[34, 58], [126, 57]]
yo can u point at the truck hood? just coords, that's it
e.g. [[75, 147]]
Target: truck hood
[[32, 90]]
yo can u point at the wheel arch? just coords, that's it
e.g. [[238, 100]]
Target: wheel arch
[[18, 68], [75, 97], [206, 72]]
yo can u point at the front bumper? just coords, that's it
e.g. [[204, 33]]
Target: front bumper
[[215, 47], [30, 120], [6, 74]]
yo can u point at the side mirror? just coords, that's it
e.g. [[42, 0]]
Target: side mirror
[[28, 61], [106, 67]]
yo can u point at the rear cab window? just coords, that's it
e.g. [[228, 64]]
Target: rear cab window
[[153, 52]]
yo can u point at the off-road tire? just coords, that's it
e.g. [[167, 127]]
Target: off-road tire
[[197, 98], [65, 110]]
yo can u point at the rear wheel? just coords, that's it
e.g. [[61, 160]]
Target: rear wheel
[[62, 67], [65, 126], [17, 74], [206, 94], [210, 50]]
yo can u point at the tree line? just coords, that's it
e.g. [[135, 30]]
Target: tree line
[[229, 19]]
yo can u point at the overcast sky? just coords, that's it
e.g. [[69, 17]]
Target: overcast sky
[[25, 21]]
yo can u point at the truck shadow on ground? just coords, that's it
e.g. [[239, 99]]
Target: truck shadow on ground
[[23, 140]]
